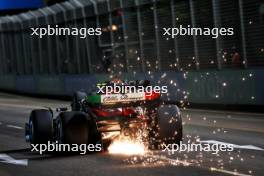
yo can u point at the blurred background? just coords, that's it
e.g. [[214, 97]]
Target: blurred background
[[204, 73], [227, 70]]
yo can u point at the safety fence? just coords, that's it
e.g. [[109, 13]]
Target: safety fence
[[132, 37]]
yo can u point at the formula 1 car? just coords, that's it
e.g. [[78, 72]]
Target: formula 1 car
[[100, 118]]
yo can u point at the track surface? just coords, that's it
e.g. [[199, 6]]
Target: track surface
[[229, 127]]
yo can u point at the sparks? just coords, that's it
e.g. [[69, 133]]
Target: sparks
[[127, 147]]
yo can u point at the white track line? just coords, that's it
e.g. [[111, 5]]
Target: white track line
[[186, 163], [4, 158], [250, 147], [228, 172], [16, 127]]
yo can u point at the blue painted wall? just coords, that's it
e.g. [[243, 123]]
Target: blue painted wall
[[20, 4]]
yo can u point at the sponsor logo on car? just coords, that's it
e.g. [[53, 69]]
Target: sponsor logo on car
[[114, 98]]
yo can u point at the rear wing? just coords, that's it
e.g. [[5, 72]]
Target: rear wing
[[110, 99]]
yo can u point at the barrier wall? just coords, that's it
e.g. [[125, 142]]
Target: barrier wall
[[234, 87], [132, 43]]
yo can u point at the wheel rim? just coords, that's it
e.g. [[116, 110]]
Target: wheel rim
[[31, 133]]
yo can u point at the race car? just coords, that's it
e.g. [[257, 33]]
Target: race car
[[102, 117]]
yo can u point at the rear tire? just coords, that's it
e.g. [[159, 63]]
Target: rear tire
[[41, 126], [167, 127], [73, 128]]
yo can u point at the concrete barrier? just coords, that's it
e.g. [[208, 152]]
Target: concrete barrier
[[234, 87], [8, 82], [74, 83], [25, 84], [223, 87], [51, 85]]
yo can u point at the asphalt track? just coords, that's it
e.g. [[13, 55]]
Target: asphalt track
[[245, 130]]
